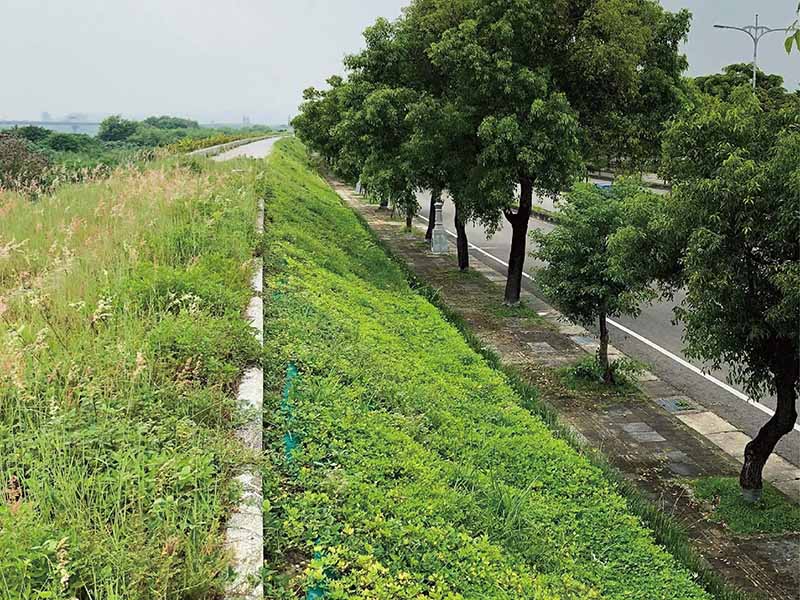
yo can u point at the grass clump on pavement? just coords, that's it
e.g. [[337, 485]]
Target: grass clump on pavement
[[121, 341], [772, 514], [402, 465]]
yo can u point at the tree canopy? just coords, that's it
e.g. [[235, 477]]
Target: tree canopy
[[116, 129], [167, 122], [735, 167], [496, 101], [583, 272]]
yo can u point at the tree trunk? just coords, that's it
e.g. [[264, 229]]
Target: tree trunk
[[409, 219], [608, 376], [462, 245], [519, 238], [436, 195], [756, 453]]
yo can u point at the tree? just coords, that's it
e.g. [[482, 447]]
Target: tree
[[621, 70], [769, 87], [545, 82], [526, 132], [31, 133], [793, 39], [440, 144], [431, 150], [21, 166], [735, 168], [582, 271], [167, 122], [116, 129]]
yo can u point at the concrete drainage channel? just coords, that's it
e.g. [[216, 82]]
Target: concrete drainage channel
[[244, 535]]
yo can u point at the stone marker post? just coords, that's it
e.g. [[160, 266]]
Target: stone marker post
[[359, 188], [439, 239]]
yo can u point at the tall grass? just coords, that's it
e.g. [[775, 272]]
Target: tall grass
[[121, 341]]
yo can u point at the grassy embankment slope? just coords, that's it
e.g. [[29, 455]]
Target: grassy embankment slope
[[121, 344], [403, 466]]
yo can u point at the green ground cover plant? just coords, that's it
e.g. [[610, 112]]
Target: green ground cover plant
[[773, 513], [121, 342], [401, 465]]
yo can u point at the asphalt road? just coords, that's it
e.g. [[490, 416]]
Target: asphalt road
[[259, 149], [650, 338]]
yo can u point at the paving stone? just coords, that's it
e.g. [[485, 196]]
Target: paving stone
[[646, 376], [656, 388], [732, 442], [583, 340], [706, 422], [618, 412], [568, 329], [636, 427], [790, 488], [677, 456], [683, 469], [541, 348], [778, 469], [649, 437], [677, 404]]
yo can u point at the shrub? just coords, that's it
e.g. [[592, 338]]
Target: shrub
[[166, 122], [116, 129], [70, 142], [30, 133], [21, 167]]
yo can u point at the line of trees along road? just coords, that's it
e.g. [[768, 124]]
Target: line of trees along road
[[496, 101]]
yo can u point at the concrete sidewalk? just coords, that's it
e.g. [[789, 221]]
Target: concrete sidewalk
[[657, 438]]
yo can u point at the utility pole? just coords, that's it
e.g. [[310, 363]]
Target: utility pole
[[756, 32]]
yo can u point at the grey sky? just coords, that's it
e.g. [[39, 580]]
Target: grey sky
[[221, 60]]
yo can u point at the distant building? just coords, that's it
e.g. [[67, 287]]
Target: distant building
[[46, 117]]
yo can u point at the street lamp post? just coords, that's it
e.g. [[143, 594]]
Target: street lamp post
[[756, 32]]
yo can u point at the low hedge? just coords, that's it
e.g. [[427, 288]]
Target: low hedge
[[401, 464]]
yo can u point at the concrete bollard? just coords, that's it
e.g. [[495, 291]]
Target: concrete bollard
[[439, 239]]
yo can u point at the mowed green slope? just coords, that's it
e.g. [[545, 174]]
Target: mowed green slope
[[402, 466]]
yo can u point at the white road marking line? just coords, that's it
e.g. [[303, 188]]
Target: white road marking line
[[653, 345]]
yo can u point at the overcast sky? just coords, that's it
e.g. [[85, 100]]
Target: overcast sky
[[222, 60]]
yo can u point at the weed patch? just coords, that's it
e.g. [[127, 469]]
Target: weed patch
[[121, 341], [772, 514], [587, 376]]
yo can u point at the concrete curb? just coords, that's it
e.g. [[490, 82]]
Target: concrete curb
[[220, 148], [244, 536]]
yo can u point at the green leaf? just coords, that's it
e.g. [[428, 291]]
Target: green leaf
[[788, 43]]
